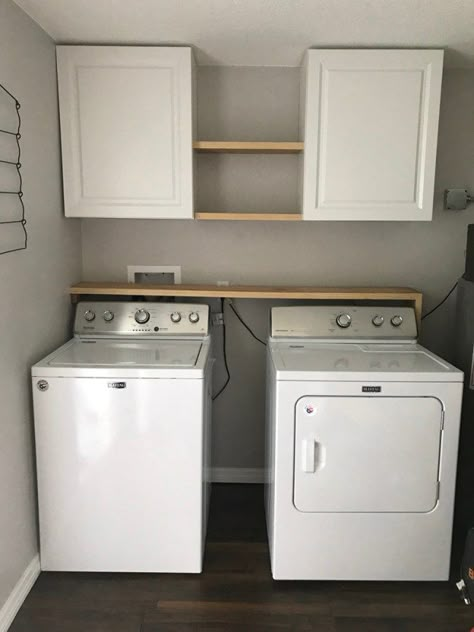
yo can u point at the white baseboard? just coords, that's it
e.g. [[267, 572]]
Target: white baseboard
[[237, 475], [19, 594]]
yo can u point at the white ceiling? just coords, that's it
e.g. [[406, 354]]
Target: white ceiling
[[263, 32]]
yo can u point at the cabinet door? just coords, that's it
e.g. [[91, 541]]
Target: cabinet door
[[370, 121], [126, 131]]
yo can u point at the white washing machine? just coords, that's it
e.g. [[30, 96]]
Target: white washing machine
[[122, 425], [362, 439]]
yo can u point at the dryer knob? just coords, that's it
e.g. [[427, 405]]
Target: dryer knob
[[378, 320], [89, 315], [396, 320], [194, 317], [175, 317], [142, 316], [344, 321]]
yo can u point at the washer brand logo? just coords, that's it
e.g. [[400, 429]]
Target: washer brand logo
[[371, 389], [117, 384]]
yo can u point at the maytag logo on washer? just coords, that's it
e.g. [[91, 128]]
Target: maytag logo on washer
[[117, 384], [371, 389]]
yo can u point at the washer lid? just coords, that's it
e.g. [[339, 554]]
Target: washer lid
[[127, 353], [312, 360]]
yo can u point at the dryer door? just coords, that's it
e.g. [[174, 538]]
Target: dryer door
[[367, 454]]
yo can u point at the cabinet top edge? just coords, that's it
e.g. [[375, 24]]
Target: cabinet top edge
[[118, 47], [387, 52]]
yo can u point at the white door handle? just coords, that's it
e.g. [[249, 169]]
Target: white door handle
[[308, 457]]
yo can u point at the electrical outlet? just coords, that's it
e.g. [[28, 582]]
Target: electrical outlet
[[456, 199], [217, 319]]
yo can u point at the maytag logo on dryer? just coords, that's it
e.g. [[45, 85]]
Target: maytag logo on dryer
[[371, 389], [117, 384]]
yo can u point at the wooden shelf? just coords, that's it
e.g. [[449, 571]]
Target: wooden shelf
[[248, 147], [246, 291], [254, 217], [111, 288]]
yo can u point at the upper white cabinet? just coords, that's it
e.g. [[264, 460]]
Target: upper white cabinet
[[370, 126], [126, 131]]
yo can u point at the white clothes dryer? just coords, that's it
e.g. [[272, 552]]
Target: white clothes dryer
[[122, 425], [361, 446]]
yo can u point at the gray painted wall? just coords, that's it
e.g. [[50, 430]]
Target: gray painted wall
[[262, 103], [34, 306]]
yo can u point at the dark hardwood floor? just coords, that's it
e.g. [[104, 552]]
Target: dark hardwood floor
[[236, 592]]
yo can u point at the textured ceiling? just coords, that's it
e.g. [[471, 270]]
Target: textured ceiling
[[263, 32]]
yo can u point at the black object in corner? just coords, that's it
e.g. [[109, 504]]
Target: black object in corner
[[466, 583], [469, 273]]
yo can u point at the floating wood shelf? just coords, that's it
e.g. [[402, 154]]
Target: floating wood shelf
[[248, 147], [247, 291], [255, 217], [109, 288]]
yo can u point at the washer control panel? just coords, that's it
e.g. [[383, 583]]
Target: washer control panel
[[97, 318], [344, 322]]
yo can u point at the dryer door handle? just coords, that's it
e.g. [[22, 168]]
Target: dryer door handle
[[308, 455], [313, 455]]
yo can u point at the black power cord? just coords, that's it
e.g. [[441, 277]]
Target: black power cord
[[441, 302], [224, 343], [224, 353], [262, 342]]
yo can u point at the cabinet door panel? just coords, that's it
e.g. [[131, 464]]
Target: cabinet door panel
[[371, 120], [126, 125]]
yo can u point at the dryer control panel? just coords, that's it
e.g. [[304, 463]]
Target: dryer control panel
[[127, 318], [344, 322]]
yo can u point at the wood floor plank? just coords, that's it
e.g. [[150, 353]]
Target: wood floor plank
[[110, 593], [234, 614], [79, 620], [240, 608], [398, 600], [226, 627], [411, 624], [314, 625]]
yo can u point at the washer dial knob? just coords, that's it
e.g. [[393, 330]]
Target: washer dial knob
[[108, 316], [193, 317], [396, 320], [344, 321], [378, 320], [142, 316], [175, 317], [89, 315]]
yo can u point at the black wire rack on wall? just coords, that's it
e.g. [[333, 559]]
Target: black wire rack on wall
[[17, 192]]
